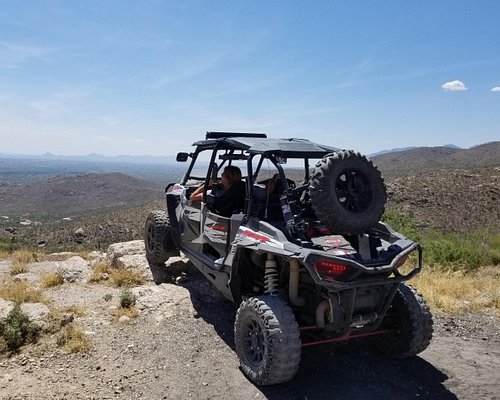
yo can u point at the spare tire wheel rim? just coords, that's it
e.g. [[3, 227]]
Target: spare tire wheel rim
[[354, 190]]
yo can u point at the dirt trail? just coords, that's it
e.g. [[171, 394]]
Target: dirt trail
[[181, 347]]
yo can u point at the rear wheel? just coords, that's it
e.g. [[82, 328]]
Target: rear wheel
[[267, 340], [410, 321], [158, 237]]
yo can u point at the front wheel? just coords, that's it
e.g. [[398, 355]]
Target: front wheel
[[267, 340], [410, 322]]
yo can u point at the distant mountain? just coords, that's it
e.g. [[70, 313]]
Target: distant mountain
[[93, 157], [399, 149], [430, 158]]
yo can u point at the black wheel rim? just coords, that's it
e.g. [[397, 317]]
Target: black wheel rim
[[253, 341], [354, 190], [150, 235]]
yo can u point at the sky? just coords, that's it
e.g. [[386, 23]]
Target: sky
[[151, 77]]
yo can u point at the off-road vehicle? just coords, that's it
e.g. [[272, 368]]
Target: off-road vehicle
[[306, 259]]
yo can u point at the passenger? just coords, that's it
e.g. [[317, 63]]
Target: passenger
[[229, 194]]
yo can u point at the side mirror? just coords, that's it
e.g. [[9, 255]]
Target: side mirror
[[182, 157]]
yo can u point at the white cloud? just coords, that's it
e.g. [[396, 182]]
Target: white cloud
[[496, 89], [454, 86]]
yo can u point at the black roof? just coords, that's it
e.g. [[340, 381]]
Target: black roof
[[291, 147]]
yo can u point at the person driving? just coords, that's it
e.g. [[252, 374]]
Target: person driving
[[229, 194]]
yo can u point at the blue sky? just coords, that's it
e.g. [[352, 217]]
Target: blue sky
[[151, 77]]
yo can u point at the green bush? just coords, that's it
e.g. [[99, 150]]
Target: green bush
[[402, 224], [127, 299], [449, 250], [17, 329]]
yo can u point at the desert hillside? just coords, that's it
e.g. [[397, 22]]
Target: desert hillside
[[420, 159], [63, 195]]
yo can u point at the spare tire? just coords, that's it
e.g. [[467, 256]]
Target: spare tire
[[347, 192]]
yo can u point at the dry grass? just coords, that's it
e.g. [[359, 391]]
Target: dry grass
[[120, 277], [130, 312], [456, 292], [21, 292], [78, 311], [100, 272], [127, 277], [52, 279], [73, 339], [20, 260]]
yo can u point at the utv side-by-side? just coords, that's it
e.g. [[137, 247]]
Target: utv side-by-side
[[306, 259]]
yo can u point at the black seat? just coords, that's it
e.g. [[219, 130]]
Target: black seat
[[232, 201]]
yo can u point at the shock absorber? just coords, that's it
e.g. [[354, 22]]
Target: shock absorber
[[271, 278]]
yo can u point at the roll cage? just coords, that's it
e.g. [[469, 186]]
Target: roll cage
[[247, 146]]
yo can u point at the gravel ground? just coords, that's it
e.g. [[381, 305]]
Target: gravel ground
[[181, 347]]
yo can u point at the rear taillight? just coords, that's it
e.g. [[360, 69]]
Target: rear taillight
[[329, 270]]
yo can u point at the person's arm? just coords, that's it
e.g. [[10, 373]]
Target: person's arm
[[197, 195]]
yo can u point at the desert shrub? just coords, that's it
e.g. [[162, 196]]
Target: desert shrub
[[17, 330], [8, 246], [494, 249], [52, 279], [127, 277], [21, 292], [73, 339], [127, 299]]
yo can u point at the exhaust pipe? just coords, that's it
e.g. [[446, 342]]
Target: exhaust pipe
[[322, 309]]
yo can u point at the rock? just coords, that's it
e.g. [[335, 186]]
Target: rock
[[35, 311], [10, 229], [79, 235], [75, 269], [5, 308], [5, 266], [117, 250], [132, 260], [124, 319], [28, 277]]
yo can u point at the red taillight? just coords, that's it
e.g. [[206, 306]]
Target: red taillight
[[329, 270]]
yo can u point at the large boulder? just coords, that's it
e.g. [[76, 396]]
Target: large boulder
[[75, 269], [118, 250]]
